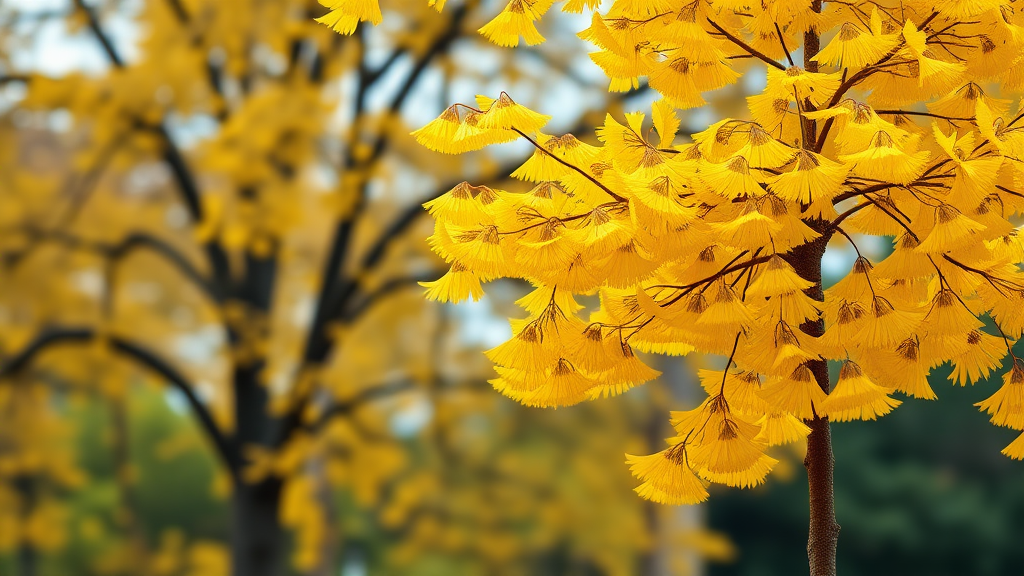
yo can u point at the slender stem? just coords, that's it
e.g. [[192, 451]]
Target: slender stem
[[893, 216], [748, 48], [1010, 192], [850, 240], [782, 40], [572, 167], [928, 114]]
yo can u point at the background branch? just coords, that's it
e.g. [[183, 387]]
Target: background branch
[[141, 356]]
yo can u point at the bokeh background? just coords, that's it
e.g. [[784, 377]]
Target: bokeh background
[[214, 351]]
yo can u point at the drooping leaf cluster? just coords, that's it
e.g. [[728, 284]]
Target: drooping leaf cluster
[[900, 126]]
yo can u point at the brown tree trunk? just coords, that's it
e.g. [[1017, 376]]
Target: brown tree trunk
[[823, 532], [823, 535], [819, 461]]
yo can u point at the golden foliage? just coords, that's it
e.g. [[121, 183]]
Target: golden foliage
[[714, 243]]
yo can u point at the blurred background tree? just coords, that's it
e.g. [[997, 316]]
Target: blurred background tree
[[214, 355]]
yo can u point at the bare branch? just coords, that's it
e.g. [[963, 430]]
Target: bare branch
[[782, 40], [374, 75], [384, 391]]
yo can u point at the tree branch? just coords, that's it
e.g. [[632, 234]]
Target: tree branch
[[187, 185], [928, 114], [782, 40], [380, 392], [861, 75], [373, 76], [440, 45], [384, 290], [223, 445], [330, 299], [179, 11], [572, 167], [124, 248], [145, 358], [104, 40]]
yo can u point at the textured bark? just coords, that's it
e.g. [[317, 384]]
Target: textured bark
[[823, 533]]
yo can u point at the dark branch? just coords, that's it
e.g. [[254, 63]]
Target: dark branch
[[384, 290], [179, 11], [928, 114], [441, 44], [857, 78], [573, 167], [187, 185], [335, 289], [223, 445], [839, 219], [144, 357], [782, 40], [373, 76], [104, 40], [384, 391], [128, 245], [330, 299], [365, 396]]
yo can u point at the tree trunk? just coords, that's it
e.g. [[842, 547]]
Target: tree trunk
[[823, 534], [26, 560], [823, 531], [257, 538]]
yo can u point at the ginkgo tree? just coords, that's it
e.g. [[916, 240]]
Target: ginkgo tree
[[896, 123]]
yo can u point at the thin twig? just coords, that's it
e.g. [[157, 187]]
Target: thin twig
[[572, 167], [748, 48]]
